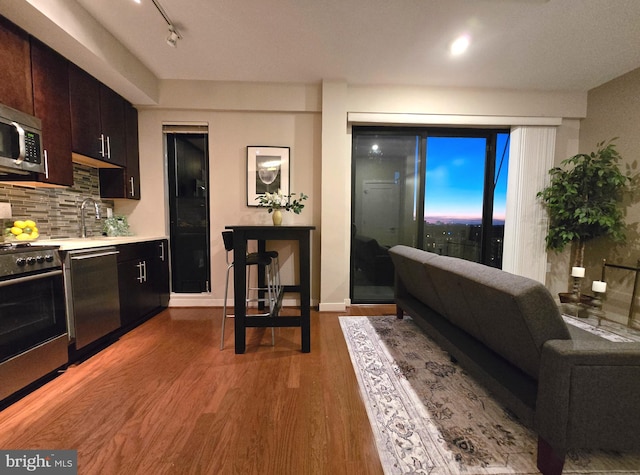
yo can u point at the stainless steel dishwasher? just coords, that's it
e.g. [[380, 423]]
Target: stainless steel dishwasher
[[91, 290]]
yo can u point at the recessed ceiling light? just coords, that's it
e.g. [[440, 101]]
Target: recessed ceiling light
[[460, 45]]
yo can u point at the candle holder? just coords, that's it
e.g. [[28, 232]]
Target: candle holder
[[599, 288], [576, 291], [596, 303], [576, 298], [576, 295]]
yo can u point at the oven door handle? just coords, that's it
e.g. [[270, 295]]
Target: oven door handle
[[30, 278]]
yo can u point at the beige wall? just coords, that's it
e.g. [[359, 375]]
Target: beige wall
[[614, 111], [229, 134], [241, 114]]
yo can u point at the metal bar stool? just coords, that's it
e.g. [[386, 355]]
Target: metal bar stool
[[253, 259], [274, 269]]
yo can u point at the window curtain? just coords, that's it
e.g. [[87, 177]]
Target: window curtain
[[531, 155]]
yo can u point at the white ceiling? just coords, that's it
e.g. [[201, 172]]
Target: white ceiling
[[517, 44]]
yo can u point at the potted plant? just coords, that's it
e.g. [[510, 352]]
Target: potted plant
[[584, 200]]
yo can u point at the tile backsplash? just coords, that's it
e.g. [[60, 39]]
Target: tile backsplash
[[57, 210]]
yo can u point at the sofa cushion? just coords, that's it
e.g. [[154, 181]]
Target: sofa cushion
[[515, 315], [448, 275]]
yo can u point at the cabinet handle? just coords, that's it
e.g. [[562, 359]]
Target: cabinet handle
[[46, 165], [132, 186], [140, 277], [108, 147], [102, 145], [162, 251]]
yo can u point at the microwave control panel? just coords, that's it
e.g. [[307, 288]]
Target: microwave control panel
[[32, 147]]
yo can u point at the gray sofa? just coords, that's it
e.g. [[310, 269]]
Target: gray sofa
[[574, 389]]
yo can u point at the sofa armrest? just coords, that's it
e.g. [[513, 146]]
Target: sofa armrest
[[589, 395]]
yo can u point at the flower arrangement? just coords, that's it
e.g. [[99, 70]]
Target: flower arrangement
[[278, 200]]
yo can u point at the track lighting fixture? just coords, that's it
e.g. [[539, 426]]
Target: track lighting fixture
[[172, 39], [174, 35]]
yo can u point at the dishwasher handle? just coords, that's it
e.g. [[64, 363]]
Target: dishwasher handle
[[94, 255]]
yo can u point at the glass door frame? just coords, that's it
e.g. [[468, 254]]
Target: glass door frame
[[422, 134], [169, 133]]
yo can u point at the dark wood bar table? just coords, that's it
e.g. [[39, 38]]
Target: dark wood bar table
[[261, 234]]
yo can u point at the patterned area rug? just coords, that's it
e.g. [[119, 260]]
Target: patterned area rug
[[430, 417]]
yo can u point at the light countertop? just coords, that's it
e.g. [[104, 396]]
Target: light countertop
[[67, 244]]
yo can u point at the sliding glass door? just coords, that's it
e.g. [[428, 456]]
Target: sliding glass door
[[441, 190], [386, 176]]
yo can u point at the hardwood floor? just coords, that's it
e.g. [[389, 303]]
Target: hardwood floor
[[165, 399]]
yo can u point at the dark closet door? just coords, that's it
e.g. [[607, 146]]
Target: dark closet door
[[189, 211]]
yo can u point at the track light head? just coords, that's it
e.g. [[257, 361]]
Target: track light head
[[174, 36]]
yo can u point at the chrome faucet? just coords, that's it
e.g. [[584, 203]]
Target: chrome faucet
[[82, 213]]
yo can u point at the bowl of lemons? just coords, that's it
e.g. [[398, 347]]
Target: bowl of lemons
[[24, 230]]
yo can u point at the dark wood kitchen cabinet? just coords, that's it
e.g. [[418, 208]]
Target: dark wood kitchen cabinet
[[15, 73], [97, 119], [112, 117], [51, 105], [125, 182], [143, 280]]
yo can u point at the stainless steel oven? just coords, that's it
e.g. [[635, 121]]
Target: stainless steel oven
[[33, 324]]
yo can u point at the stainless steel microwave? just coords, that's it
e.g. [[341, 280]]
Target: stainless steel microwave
[[20, 142]]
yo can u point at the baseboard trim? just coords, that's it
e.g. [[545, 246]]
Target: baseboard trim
[[194, 300], [332, 307], [206, 300]]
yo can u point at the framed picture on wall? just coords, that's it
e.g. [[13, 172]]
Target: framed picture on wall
[[267, 171]]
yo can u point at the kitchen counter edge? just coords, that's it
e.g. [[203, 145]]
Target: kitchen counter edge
[[68, 244]]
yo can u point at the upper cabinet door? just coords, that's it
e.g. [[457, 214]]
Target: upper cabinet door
[[51, 106], [15, 70], [97, 119], [84, 100], [112, 120], [124, 182], [133, 153]]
